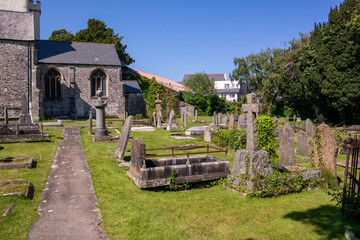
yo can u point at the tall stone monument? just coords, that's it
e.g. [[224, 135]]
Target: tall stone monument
[[158, 111], [171, 117], [196, 115], [286, 146], [24, 115], [232, 122], [100, 116]]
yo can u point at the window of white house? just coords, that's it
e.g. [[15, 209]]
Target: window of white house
[[227, 86]]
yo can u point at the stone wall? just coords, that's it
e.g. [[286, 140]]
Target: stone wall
[[15, 73], [76, 91], [17, 26]]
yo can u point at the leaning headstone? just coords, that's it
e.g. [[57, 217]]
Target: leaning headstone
[[124, 138], [251, 109], [90, 120], [6, 116], [309, 127], [286, 146], [231, 122], [254, 163], [24, 115], [207, 134], [324, 148], [154, 118], [303, 143], [171, 117], [196, 115]]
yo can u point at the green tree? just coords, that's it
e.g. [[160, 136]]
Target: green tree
[[201, 84], [96, 32], [61, 35], [258, 70]]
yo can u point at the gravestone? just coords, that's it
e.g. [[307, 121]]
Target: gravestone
[[309, 127], [207, 134], [199, 131], [242, 122], [225, 120], [182, 116], [159, 121], [276, 127], [158, 111], [171, 117], [100, 115], [138, 149], [236, 116], [185, 119], [154, 118], [90, 120], [196, 115], [325, 149], [286, 146], [215, 122], [254, 163], [231, 122], [24, 115], [303, 143], [320, 118], [251, 109], [6, 116], [294, 122], [219, 117], [124, 138]]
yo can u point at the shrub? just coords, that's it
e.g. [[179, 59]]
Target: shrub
[[235, 139], [265, 133], [138, 116]]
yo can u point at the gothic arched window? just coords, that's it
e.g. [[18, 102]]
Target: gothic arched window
[[98, 82], [52, 84]]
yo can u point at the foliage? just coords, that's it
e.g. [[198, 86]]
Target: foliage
[[232, 106], [201, 84], [234, 139], [206, 105], [61, 35], [138, 116], [258, 70], [277, 184], [265, 134], [96, 32]]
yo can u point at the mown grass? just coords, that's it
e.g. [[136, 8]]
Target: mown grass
[[18, 223], [211, 213]]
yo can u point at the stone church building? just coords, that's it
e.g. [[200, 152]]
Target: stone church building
[[59, 79]]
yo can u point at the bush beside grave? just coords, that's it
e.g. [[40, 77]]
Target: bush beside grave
[[234, 139], [265, 133]]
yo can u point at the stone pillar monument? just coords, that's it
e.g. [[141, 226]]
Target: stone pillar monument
[[100, 116], [158, 111]]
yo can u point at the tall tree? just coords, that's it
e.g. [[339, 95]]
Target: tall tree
[[96, 32], [201, 84]]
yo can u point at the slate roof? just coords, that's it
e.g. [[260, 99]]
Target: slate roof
[[132, 86], [77, 53], [215, 77]]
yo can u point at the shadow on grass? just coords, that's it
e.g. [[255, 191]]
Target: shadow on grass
[[1, 148], [327, 221]]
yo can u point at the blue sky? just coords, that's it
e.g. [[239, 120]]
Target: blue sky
[[172, 37]]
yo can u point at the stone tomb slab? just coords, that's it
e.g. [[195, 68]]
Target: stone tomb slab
[[11, 163], [143, 129], [197, 131]]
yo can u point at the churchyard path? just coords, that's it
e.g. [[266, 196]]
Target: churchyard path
[[68, 207]]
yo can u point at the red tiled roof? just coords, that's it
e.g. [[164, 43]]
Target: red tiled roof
[[164, 81]]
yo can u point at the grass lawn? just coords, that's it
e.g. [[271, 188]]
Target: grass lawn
[[212, 213], [17, 225]]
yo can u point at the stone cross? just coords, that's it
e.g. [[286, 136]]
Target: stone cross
[[251, 109], [196, 115], [231, 122], [6, 116], [171, 117], [207, 134], [124, 138], [286, 146], [100, 115], [90, 120]]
